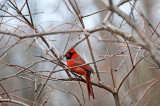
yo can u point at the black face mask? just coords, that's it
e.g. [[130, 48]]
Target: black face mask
[[69, 55]]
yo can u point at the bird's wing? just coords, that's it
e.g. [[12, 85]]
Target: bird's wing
[[80, 61]]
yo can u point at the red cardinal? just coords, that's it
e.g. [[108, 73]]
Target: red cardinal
[[74, 59]]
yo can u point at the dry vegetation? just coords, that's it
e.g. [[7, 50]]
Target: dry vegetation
[[123, 50]]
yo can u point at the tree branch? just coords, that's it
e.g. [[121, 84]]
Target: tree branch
[[13, 101]]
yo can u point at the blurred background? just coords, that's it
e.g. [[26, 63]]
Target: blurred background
[[54, 15]]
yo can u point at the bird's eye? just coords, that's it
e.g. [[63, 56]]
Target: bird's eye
[[68, 55]]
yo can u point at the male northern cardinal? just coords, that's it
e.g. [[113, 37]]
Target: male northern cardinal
[[74, 59]]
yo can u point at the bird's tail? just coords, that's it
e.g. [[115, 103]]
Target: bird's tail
[[89, 86]]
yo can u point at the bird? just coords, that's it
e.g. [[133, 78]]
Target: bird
[[74, 59]]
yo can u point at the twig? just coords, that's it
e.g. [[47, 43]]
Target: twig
[[78, 13], [113, 80], [13, 101], [148, 44], [146, 91], [121, 82], [5, 91], [106, 87]]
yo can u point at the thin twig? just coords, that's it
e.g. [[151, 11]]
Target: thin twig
[[13, 101]]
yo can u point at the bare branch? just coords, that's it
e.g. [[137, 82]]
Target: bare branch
[[13, 101], [148, 44]]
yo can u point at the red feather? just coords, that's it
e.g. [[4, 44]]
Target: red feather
[[74, 59]]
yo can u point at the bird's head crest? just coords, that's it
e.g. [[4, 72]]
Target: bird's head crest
[[71, 50]]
